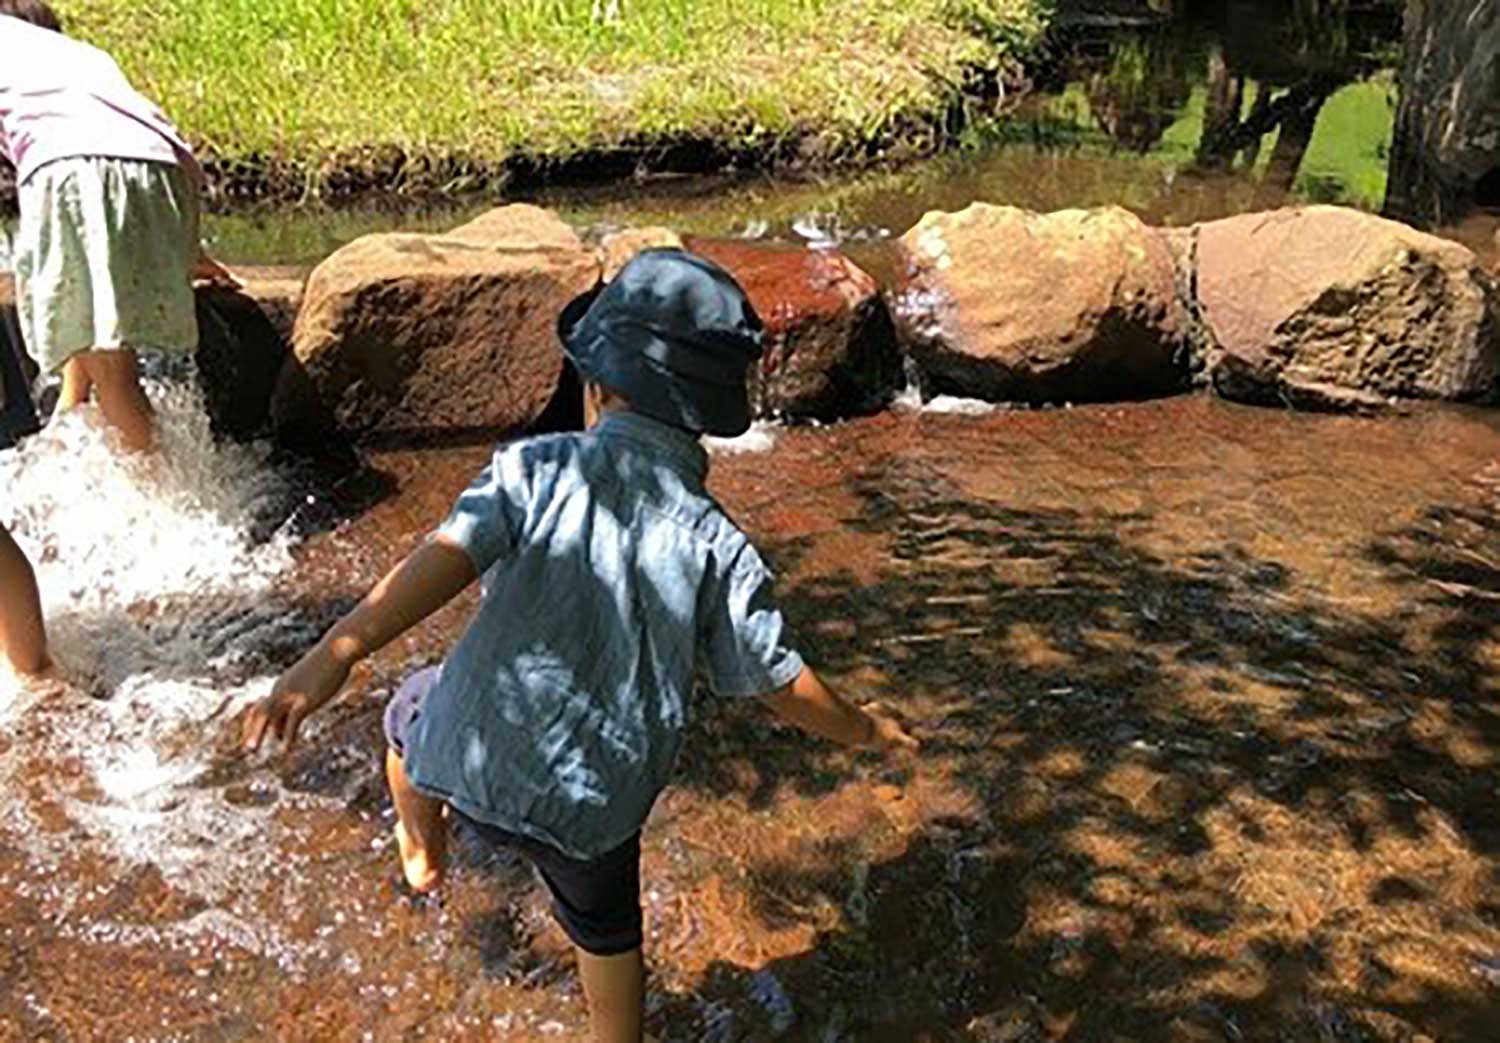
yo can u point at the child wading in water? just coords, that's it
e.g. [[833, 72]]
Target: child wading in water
[[612, 580], [106, 250], [108, 241]]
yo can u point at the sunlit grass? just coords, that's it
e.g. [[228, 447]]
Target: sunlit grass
[[1349, 153], [303, 79]]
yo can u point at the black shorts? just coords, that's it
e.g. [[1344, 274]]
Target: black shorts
[[597, 901]]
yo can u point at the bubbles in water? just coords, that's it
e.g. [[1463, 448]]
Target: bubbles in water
[[828, 230], [960, 406], [821, 231], [109, 529]]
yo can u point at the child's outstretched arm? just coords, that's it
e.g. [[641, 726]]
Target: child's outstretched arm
[[424, 582], [812, 706]]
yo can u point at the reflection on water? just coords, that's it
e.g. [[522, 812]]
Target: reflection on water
[[1239, 107]]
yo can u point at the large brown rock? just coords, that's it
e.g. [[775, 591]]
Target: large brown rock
[[830, 348], [1323, 302], [402, 334], [1008, 305]]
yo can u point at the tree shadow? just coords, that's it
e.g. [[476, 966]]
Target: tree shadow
[[1202, 790], [1168, 791]]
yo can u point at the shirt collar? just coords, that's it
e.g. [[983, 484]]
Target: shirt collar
[[678, 445]]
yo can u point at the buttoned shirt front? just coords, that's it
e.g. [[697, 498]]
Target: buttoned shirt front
[[612, 581]]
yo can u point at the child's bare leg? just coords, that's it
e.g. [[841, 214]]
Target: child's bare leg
[[23, 638], [117, 379], [421, 828], [77, 387], [616, 991]]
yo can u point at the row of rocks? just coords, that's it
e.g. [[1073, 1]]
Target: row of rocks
[[401, 334], [397, 335], [1318, 307]]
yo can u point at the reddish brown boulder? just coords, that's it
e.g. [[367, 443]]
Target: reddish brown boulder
[[1307, 304], [403, 334], [830, 349], [1007, 305]]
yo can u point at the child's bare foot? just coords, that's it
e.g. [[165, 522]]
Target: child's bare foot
[[421, 866]]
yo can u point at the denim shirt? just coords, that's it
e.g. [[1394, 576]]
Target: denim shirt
[[612, 580]]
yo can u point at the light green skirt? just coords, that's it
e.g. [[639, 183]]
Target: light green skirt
[[103, 258]]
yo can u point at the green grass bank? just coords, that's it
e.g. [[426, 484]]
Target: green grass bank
[[339, 96]]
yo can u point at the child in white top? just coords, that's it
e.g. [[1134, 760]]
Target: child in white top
[[106, 252], [108, 241]]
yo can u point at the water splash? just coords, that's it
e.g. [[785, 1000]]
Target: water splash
[[107, 529], [159, 580]]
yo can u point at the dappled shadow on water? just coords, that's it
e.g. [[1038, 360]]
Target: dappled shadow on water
[[1207, 698], [1185, 794]]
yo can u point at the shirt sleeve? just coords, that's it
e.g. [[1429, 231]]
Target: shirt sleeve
[[486, 521], [745, 636]]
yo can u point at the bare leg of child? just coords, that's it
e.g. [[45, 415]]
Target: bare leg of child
[[23, 638], [421, 828], [616, 991], [116, 377], [77, 388]]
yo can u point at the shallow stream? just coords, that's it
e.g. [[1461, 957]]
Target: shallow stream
[[1208, 694]]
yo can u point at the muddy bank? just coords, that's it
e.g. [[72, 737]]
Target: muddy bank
[[1211, 739]]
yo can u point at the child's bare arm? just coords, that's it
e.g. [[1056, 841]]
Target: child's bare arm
[[424, 582], [812, 706]]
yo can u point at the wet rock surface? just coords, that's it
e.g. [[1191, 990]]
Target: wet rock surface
[[1208, 704], [403, 335], [830, 348], [1329, 305], [242, 349], [1007, 305]]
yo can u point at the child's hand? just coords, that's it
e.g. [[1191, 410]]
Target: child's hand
[[886, 733], [312, 681], [209, 272]]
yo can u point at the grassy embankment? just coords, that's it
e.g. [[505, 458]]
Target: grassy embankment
[[337, 95]]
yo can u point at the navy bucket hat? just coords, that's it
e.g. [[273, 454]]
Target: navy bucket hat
[[674, 335]]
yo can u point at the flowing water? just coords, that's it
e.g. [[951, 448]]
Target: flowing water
[[1207, 693]]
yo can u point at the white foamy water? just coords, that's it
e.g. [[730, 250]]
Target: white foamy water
[[911, 398], [159, 581], [760, 438], [105, 528]]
